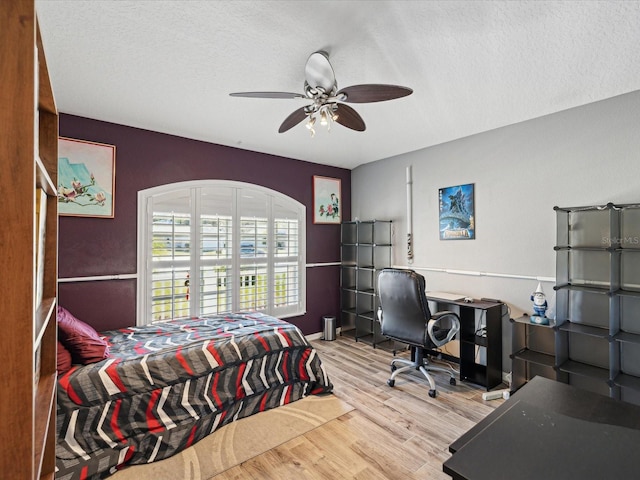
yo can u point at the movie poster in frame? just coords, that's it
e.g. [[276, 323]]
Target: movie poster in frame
[[457, 212], [86, 178], [326, 199]]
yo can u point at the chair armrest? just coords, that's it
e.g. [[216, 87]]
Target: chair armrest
[[445, 313], [434, 325]]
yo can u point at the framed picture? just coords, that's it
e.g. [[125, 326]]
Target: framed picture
[[457, 212], [326, 199], [86, 178]]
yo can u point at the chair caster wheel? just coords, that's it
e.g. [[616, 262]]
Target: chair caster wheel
[[393, 368], [452, 381], [432, 393], [391, 382]]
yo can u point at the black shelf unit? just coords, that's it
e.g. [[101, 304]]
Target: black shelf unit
[[598, 298], [365, 250], [470, 340], [533, 348]]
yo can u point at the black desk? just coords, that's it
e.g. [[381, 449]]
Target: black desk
[[550, 431], [489, 375]]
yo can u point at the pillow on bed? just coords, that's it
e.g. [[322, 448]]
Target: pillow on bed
[[64, 359], [81, 339]]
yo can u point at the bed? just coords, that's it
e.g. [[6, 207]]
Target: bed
[[165, 386]]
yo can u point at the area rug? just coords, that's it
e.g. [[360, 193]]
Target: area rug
[[241, 440]]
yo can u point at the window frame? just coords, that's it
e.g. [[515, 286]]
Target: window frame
[[274, 199]]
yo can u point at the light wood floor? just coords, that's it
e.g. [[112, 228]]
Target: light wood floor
[[393, 433]]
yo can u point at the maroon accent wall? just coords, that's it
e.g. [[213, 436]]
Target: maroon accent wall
[[144, 159]]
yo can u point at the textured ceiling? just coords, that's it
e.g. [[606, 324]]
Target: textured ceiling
[[169, 66]]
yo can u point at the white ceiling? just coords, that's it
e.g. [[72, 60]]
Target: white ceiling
[[169, 66]]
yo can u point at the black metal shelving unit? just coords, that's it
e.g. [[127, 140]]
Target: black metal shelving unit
[[598, 299], [365, 250]]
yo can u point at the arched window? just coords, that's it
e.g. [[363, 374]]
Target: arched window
[[213, 247]]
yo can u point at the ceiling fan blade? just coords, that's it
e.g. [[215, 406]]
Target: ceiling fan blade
[[292, 120], [373, 93], [267, 95], [349, 118]]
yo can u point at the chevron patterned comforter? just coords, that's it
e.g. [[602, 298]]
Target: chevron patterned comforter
[[166, 386]]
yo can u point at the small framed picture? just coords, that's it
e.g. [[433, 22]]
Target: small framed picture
[[457, 212], [86, 178], [326, 199]]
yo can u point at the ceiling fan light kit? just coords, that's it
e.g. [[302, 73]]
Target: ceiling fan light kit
[[328, 105]]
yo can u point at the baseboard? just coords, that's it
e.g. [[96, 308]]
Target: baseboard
[[319, 335]]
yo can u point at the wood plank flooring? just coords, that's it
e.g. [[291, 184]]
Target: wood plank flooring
[[393, 433]]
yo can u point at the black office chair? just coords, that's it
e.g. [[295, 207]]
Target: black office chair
[[404, 316]]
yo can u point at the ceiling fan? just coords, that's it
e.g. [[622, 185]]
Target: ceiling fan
[[321, 88]]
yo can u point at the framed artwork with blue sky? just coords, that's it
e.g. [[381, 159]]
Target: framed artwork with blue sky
[[86, 178]]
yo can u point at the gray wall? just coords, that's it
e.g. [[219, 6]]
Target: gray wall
[[583, 156]]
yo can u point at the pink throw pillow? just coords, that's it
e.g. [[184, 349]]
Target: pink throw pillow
[[81, 339]]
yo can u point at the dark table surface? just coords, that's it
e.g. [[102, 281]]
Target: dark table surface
[[549, 430]]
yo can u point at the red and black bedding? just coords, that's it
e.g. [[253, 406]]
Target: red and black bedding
[[165, 386]]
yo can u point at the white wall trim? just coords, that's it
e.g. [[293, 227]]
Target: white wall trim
[[119, 276], [472, 273], [326, 264], [128, 276]]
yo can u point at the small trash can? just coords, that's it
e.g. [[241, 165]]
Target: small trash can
[[329, 332]]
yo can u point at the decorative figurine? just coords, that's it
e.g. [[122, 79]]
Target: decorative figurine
[[539, 306]]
